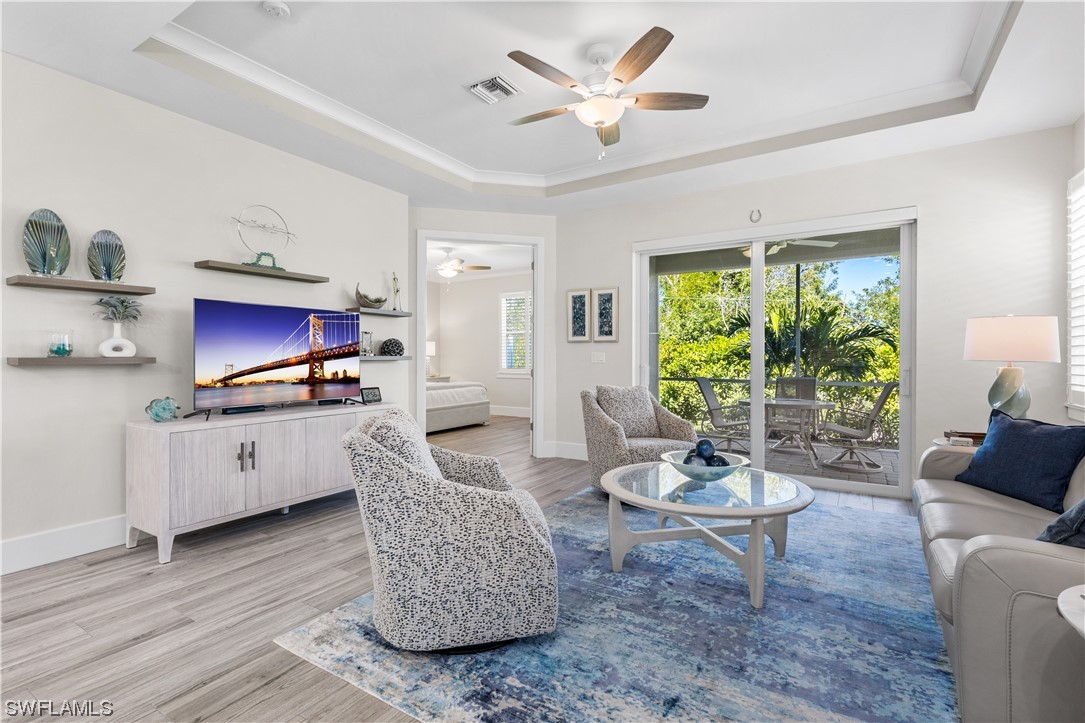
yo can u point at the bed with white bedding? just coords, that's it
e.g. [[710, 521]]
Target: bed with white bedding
[[455, 404]]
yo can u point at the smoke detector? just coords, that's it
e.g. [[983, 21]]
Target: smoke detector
[[275, 8]]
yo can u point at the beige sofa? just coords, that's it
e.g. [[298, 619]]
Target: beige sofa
[[994, 587]]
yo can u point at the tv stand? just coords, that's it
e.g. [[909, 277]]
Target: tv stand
[[183, 476]]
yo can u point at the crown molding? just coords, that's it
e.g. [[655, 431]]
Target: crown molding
[[200, 57]]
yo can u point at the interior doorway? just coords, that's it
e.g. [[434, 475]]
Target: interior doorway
[[477, 324]]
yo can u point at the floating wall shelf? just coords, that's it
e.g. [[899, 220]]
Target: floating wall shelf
[[259, 271], [384, 358], [378, 312], [59, 282], [78, 361]]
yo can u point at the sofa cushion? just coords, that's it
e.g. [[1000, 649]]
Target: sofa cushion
[[1068, 528], [1027, 460], [397, 432], [631, 407], [648, 449], [926, 491], [941, 562], [940, 520]]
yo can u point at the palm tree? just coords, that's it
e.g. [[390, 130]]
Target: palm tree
[[832, 345]]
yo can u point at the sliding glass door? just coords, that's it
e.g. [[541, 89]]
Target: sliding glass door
[[823, 312]]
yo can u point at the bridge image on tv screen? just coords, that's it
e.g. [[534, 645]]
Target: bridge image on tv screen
[[256, 354]]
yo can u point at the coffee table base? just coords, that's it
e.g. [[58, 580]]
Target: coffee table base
[[751, 562]]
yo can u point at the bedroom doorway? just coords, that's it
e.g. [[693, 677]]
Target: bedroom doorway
[[477, 324]]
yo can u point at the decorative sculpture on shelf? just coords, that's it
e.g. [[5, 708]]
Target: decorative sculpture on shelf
[[105, 256], [366, 301], [395, 292], [162, 410], [46, 246], [262, 225]]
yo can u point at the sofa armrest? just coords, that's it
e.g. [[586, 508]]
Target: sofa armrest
[[944, 462], [671, 426], [1017, 659]]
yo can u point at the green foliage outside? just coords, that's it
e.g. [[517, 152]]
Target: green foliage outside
[[704, 330]]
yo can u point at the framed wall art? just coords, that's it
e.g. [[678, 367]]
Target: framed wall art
[[578, 315], [605, 314]]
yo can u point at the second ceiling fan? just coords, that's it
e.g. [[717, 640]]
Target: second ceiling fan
[[602, 105]]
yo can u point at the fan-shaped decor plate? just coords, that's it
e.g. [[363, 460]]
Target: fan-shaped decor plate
[[105, 256], [46, 246]]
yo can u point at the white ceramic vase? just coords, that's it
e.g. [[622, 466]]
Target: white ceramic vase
[[117, 345]]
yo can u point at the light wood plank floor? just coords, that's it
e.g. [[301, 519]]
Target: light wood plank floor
[[192, 640]]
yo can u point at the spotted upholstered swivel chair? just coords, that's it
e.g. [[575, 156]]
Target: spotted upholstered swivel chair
[[460, 559], [624, 425]]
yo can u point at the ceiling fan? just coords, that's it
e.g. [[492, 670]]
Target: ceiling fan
[[781, 245], [450, 267], [602, 105]]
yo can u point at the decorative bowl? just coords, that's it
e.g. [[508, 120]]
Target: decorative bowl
[[705, 474], [369, 302]]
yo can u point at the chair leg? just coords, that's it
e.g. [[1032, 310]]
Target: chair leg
[[853, 459]]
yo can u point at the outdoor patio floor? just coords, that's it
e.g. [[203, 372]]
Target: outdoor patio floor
[[793, 463]]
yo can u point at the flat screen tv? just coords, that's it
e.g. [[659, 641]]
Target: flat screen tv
[[250, 354]]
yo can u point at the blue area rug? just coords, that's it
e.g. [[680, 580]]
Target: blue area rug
[[848, 631]]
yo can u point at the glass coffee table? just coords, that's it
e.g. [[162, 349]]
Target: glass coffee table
[[758, 501]]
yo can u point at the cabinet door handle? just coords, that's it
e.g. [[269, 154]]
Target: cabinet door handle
[[252, 455], [241, 457]]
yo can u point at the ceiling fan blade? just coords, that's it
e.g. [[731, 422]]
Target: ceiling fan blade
[[549, 72], [667, 101], [476, 267], [775, 247], [813, 242], [609, 135], [552, 113], [637, 59]]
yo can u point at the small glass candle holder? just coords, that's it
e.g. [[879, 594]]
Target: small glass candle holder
[[60, 343]]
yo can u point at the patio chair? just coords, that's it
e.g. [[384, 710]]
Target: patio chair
[[790, 423], [730, 424], [856, 426]]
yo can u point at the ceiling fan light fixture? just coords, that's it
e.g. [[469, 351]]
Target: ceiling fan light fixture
[[600, 111], [447, 272]]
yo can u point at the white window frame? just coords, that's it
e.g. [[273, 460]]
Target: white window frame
[[502, 370], [1075, 297]]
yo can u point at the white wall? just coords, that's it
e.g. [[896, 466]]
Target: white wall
[[991, 240], [1079, 144], [168, 186], [470, 339], [433, 321]]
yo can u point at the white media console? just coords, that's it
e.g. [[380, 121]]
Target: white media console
[[189, 474]]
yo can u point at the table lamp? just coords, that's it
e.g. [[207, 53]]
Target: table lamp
[[1011, 339], [431, 351]]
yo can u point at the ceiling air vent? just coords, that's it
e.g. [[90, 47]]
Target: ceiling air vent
[[495, 89]]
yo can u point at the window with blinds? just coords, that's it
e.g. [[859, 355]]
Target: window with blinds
[[515, 348], [1075, 286]]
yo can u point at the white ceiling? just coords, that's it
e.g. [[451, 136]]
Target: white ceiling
[[506, 260], [376, 89]]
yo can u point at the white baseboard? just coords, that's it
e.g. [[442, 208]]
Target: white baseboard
[[41, 548], [570, 450], [510, 411]]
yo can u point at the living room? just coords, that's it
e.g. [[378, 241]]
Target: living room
[[115, 119]]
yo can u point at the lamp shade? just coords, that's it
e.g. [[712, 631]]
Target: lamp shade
[[600, 111], [1012, 339], [431, 348]]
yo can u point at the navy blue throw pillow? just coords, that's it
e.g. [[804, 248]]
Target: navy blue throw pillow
[[1026, 460], [1068, 528]]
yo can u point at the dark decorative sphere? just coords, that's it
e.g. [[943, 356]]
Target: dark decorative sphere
[[718, 461], [705, 448], [694, 459], [392, 347]]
